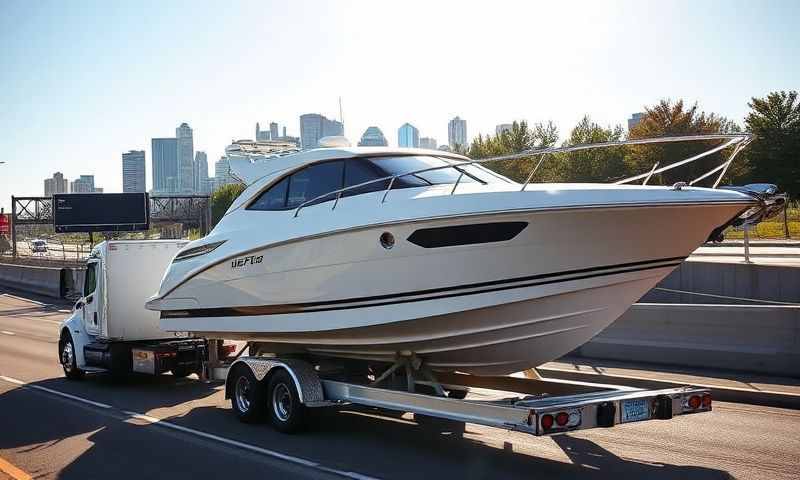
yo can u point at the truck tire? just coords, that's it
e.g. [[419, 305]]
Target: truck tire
[[181, 372], [248, 395], [286, 412], [66, 356]]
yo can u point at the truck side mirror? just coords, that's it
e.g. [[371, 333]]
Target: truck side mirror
[[89, 299], [78, 305]]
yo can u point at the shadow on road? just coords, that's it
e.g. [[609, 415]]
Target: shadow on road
[[368, 441]]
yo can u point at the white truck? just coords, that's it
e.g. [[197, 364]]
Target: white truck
[[110, 330]]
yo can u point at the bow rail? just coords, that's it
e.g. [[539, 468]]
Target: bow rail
[[736, 140]]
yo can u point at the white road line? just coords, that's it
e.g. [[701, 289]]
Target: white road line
[[209, 436], [6, 332], [25, 299]]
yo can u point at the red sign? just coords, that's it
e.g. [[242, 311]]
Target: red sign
[[5, 223]]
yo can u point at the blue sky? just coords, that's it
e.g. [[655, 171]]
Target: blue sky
[[82, 82]]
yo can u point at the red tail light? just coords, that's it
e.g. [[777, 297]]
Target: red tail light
[[707, 400], [695, 401], [562, 418], [547, 421]]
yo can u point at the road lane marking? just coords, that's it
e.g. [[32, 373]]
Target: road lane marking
[[15, 472], [25, 299], [208, 436], [6, 332]]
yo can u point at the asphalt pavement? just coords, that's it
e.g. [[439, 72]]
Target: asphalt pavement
[[159, 427]]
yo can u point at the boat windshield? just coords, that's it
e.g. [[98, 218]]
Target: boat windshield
[[408, 163]]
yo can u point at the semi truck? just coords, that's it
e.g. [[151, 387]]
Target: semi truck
[[110, 330]]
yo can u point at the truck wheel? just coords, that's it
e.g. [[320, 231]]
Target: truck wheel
[[249, 396], [66, 355], [181, 372], [286, 412]]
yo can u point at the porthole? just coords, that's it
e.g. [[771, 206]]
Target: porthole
[[387, 240]]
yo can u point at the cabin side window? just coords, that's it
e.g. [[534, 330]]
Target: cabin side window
[[90, 281]]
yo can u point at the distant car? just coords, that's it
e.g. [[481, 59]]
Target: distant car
[[39, 246]]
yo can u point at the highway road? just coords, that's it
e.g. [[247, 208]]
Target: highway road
[[162, 427]]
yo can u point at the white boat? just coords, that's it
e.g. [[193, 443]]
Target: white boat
[[375, 253]]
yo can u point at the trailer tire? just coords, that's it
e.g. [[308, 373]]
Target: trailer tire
[[66, 356], [248, 395], [287, 413]]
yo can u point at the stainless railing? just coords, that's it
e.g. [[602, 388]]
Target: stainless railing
[[736, 140]]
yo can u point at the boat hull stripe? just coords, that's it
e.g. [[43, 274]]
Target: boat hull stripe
[[423, 295]]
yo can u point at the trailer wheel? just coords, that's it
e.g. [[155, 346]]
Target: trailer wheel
[[249, 396], [66, 356], [288, 415]]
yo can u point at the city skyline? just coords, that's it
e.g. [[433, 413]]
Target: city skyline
[[705, 43]]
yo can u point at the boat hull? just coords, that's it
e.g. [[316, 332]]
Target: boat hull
[[485, 308]]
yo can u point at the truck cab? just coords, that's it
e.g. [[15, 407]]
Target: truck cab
[[109, 329]]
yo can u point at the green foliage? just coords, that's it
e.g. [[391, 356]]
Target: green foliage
[[668, 118], [222, 198], [774, 157], [595, 165], [516, 140]]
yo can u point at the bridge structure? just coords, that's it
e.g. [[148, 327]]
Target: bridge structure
[[191, 210]]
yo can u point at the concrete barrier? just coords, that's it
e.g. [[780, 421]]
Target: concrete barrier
[[741, 280], [45, 281], [755, 338]]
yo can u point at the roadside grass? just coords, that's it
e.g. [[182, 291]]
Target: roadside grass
[[772, 228]]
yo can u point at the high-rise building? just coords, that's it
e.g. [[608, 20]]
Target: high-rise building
[[314, 126], [408, 136], [635, 119], [84, 184], [273, 131], [133, 174], [57, 184], [502, 128], [373, 137], [457, 133], [185, 139], [262, 135], [427, 142], [200, 172], [222, 173], [165, 165]]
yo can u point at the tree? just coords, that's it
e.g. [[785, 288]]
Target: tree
[[222, 198], [774, 156], [595, 165], [669, 118], [517, 140]]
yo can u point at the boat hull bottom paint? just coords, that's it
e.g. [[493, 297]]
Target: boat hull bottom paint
[[495, 340]]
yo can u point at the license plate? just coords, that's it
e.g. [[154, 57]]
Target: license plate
[[635, 410]]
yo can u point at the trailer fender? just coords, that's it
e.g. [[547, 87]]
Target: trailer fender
[[309, 387], [73, 325]]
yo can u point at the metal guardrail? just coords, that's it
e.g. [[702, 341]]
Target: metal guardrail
[[736, 140]]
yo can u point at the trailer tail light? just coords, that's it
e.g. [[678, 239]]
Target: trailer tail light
[[707, 400], [547, 422], [695, 401], [559, 421]]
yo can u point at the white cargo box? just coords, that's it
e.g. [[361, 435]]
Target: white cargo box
[[130, 273]]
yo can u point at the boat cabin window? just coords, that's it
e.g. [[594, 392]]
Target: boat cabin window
[[314, 181], [322, 178]]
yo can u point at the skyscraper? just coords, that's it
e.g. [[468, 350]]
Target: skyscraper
[[222, 173], [262, 135], [57, 184], [201, 172], [427, 142], [165, 165], [133, 174], [457, 133], [503, 127], [273, 131], [185, 158], [373, 137], [314, 126], [84, 184], [635, 119], [408, 136]]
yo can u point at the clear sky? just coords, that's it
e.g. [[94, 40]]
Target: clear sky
[[83, 82]]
